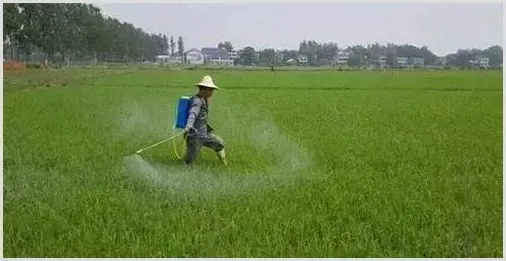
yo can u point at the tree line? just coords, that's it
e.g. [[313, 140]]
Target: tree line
[[76, 31], [373, 54]]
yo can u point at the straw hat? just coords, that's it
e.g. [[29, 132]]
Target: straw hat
[[207, 81]]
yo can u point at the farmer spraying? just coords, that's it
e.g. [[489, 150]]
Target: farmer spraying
[[197, 131]]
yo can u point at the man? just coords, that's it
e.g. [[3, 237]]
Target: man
[[197, 131]]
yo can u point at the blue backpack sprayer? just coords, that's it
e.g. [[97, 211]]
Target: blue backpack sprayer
[[180, 122]]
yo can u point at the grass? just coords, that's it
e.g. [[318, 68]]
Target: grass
[[323, 164]]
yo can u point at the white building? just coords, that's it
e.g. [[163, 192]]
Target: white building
[[233, 55], [401, 61], [162, 58], [302, 59], [484, 62], [418, 62], [167, 59], [382, 60], [291, 61], [217, 56], [341, 58], [194, 56], [441, 60]]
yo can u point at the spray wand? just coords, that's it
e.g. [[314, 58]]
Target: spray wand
[[160, 142]]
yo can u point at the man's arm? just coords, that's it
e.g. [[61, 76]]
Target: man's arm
[[192, 114]]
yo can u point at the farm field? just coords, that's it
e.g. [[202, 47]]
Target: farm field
[[322, 164]]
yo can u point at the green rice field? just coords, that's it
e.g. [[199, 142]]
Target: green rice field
[[322, 164]]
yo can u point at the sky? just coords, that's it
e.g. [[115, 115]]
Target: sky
[[443, 27]]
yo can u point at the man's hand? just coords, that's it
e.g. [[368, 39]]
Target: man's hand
[[186, 131]]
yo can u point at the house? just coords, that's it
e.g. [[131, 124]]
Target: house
[[291, 61], [257, 55], [324, 62], [381, 61], [401, 61], [441, 60], [418, 62], [484, 62], [167, 59], [302, 59], [162, 58], [279, 57], [341, 58], [233, 55], [176, 60], [193, 56], [216, 56]]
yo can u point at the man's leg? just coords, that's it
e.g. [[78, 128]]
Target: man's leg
[[216, 143], [193, 146]]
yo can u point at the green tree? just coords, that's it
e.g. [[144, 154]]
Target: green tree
[[172, 46], [451, 59], [165, 44], [267, 57], [180, 46], [304, 48], [358, 56], [390, 59], [289, 54], [494, 53], [314, 49], [428, 56], [12, 26], [462, 58], [247, 56], [355, 60], [69, 30], [227, 46]]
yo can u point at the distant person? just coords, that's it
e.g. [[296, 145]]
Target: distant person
[[197, 131]]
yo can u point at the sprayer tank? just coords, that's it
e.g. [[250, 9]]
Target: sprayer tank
[[182, 112]]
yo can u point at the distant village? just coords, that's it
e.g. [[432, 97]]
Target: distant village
[[222, 57]]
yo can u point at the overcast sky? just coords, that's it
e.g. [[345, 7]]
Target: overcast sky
[[443, 27]]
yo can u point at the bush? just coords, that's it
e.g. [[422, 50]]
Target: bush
[[33, 65], [14, 66]]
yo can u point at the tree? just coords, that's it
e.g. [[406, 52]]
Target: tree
[[69, 30], [304, 48], [12, 21], [247, 56], [390, 59], [227, 46], [358, 55], [428, 56], [463, 58], [172, 46], [355, 60], [165, 44], [494, 53], [289, 54], [180, 46], [12, 25], [314, 49], [450, 59], [373, 52], [267, 57], [327, 50]]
